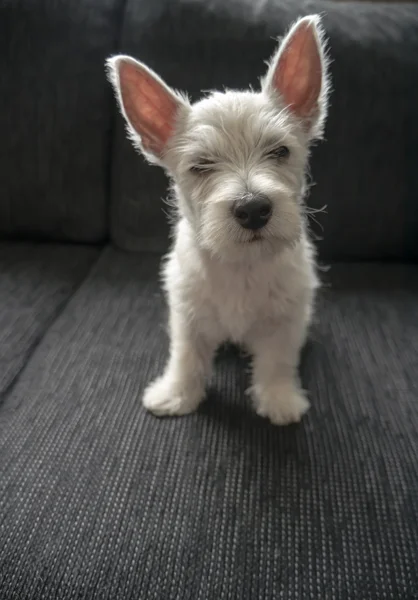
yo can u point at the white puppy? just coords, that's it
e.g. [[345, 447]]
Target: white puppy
[[242, 267]]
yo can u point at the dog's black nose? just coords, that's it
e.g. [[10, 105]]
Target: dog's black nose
[[252, 211]]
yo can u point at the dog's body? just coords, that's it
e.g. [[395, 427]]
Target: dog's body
[[242, 267], [266, 308]]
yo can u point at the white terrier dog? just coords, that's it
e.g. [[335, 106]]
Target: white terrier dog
[[242, 267]]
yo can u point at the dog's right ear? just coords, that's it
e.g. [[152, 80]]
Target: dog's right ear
[[149, 106], [298, 74]]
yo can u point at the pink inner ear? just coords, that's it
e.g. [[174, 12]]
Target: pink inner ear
[[149, 105], [298, 75]]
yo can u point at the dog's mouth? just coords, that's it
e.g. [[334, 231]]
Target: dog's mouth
[[255, 237]]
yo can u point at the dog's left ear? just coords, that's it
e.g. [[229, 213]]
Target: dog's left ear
[[298, 74]]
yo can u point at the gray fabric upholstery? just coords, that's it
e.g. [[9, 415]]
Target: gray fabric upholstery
[[101, 500], [55, 118], [365, 172], [35, 283]]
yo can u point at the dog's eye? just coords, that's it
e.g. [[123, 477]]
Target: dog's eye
[[280, 153], [202, 167]]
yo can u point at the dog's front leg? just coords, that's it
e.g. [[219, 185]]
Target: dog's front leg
[[181, 388], [276, 389]]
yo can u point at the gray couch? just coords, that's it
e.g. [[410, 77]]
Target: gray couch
[[99, 500]]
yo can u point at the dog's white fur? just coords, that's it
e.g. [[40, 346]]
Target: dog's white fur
[[221, 281]]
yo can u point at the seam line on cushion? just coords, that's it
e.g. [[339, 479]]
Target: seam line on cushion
[[53, 318]]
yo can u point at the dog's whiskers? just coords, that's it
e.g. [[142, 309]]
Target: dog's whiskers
[[311, 212]]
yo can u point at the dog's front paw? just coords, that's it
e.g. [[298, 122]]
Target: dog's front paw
[[165, 398], [282, 403]]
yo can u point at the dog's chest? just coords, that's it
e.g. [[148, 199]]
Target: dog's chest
[[240, 298]]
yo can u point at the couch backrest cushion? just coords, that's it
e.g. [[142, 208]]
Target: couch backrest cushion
[[366, 172], [55, 115]]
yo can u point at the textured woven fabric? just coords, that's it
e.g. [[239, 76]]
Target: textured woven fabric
[[55, 117], [35, 283], [365, 171], [99, 500]]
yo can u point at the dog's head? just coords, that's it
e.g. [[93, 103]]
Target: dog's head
[[237, 159]]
